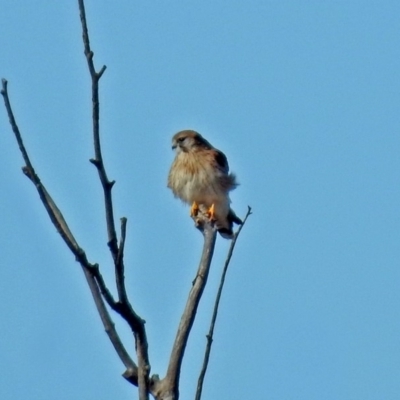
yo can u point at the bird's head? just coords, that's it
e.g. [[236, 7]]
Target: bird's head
[[189, 140]]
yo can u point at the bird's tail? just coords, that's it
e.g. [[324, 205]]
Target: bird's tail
[[226, 230]]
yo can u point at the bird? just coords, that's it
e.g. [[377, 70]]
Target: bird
[[199, 176]]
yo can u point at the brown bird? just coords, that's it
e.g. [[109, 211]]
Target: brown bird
[[199, 175]]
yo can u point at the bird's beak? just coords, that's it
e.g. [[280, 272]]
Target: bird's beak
[[173, 146]]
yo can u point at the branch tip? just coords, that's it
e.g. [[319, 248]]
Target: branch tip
[[4, 83], [101, 72], [131, 376], [94, 162]]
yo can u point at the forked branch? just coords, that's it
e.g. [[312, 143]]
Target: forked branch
[[215, 311], [168, 388]]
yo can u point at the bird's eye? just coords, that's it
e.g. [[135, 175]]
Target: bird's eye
[[181, 139]]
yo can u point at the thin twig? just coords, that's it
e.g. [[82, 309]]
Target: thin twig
[[13, 123], [215, 312], [189, 314], [91, 271]]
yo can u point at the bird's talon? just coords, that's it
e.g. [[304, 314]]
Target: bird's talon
[[194, 210], [211, 213]]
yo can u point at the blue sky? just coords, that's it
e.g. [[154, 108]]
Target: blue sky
[[303, 97]]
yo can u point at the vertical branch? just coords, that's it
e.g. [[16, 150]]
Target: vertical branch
[[215, 312], [189, 314], [98, 160], [124, 306]]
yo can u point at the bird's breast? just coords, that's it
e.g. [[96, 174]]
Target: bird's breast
[[192, 178]]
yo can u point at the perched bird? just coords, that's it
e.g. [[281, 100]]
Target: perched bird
[[200, 176]]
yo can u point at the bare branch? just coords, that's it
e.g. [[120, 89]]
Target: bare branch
[[98, 160], [131, 368], [123, 307], [51, 208], [215, 312], [172, 377], [91, 271]]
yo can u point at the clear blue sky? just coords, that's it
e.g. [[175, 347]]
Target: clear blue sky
[[304, 98]]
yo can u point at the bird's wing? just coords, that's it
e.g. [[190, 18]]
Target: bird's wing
[[221, 161]]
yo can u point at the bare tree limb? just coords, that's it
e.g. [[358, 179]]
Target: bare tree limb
[[131, 373], [98, 160], [170, 383], [215, 312], [91, 271], [125, 309]]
